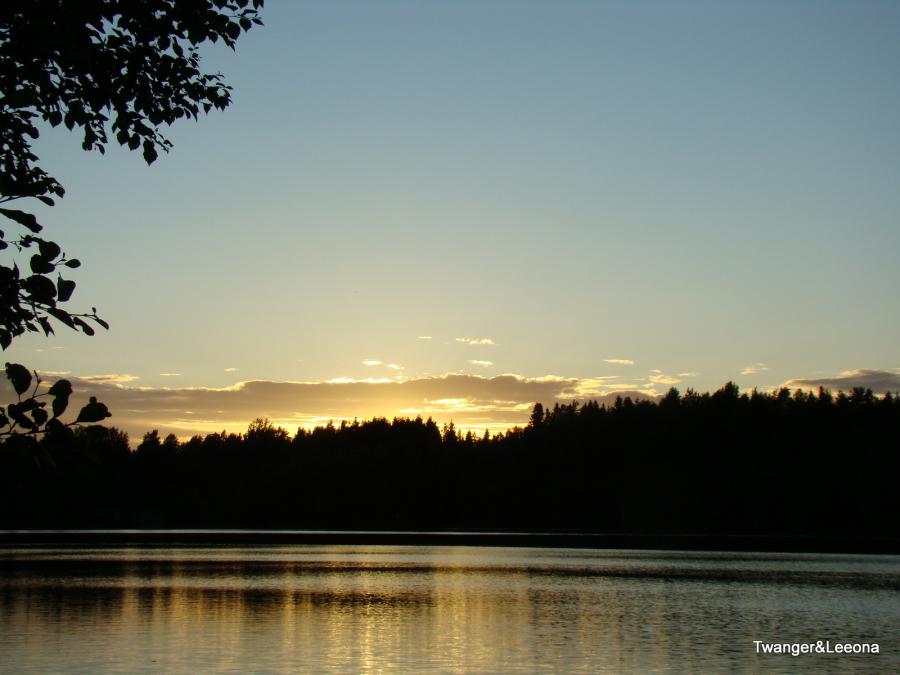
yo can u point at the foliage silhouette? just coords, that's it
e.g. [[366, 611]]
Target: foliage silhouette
[[30, 416], [103, 66], [789, 464]]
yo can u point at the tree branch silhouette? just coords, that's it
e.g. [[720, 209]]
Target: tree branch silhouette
[[121, 68]]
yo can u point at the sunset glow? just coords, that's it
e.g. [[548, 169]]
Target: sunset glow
[[463, 205]]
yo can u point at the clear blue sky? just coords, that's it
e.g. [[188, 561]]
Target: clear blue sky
[[706, 188]]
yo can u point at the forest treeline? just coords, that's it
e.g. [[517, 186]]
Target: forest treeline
[[787, 463]]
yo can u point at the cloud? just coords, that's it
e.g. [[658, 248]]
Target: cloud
[[118, 378], [485, 364], [230, 370], [365, 380], [471, 401], [620, 362], [170, 374], [475, 341], [754, 369], [690, 374], [601, 387], [606, 388], [376, 362], [660, 378], [879, 381], [54, 373], [423, 337]]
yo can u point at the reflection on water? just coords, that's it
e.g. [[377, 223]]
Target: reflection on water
[[382, 608]]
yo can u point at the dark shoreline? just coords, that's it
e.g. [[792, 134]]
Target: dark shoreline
[[689, 542]]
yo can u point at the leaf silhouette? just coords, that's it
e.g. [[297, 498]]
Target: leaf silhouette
[[20, 377]]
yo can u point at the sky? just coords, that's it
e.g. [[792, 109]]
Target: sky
[[457, 209]]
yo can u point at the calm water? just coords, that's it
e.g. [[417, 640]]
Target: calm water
[[390, 608]]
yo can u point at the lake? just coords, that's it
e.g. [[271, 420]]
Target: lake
[[389, 608]]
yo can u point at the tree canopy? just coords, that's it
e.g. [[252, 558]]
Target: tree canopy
[[788, 464], [120, 68], [110, 68]]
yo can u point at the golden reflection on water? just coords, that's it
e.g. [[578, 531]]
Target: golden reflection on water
[[386, 609]]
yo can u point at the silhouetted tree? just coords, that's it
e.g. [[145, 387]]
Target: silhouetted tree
[[537, 416], [103, 66], [150, 443], [778, 463]]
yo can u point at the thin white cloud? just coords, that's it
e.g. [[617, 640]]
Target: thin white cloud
[[661, 378], [754, 369], [170, 374], [118, 378], [231, 370], [549, 378], [484, 364], [475, 341], [601, 388], [689, 374], [54, 373], [620, 362], [375, 362], [362, 380], [423, 337]]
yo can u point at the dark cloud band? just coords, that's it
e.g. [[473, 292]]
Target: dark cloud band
[[879, 381]]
